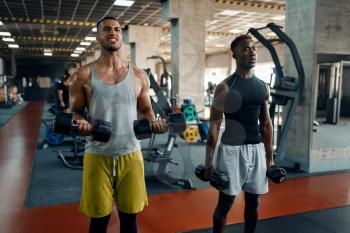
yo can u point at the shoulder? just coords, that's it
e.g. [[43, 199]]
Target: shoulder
[[264, 85], [139, 74], [222, 87], [82, 74]]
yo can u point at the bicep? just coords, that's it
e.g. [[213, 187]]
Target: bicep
[[144, 105], [77, 95]]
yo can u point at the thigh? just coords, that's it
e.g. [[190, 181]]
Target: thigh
[[130, 187], [97, 193], [231, 161], [257, 182]]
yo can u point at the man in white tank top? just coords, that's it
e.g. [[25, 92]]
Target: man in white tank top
[[112, 90]]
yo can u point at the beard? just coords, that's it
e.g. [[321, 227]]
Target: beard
[[110, 48]]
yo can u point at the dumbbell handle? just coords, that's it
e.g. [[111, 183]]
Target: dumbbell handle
[[175, 122]]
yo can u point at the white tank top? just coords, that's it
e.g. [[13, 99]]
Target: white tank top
[[115, 103]]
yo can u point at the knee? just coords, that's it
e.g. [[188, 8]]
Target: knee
[[224, 206], [252, 203]]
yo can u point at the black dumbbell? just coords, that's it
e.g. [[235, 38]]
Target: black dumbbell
[[276, 174], [217, 179], [64, 124], [176, 123]]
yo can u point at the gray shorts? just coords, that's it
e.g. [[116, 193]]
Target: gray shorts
[[246, 167]]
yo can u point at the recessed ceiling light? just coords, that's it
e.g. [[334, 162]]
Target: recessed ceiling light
[[8, 39], [47, 51], [5, 34], [13, 46], [47, 54], [85, 43], [145, 24], [235, 31], [229, 12], [278, 17], [90, 38], [78, 51], [80, 48], [123, 3], [74, 55]]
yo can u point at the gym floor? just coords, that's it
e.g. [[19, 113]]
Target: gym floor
[[167, 212]]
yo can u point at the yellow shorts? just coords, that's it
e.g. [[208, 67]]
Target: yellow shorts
[[100, 187]]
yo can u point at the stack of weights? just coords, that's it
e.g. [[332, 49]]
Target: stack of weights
[[191, 134]]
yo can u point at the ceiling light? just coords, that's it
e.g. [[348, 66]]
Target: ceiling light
[[8, 39], [1, 23], [13, 46], [220, 45], [123, 3], [80, 48], [278, 17], [85, 43], [5, 34], [229, 12], [78, 51], [74, 55], [90, 38], [47, 54], [235, 31], [145, 24], [94, 30], [47, 51]]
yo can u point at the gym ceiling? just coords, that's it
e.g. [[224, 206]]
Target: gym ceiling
[[56, 29]]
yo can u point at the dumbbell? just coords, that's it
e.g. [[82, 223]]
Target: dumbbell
[[217, 179], [64, 124], [276, 174], [176, 123]]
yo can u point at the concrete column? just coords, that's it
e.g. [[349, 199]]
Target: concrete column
[[188, 45], [300, 26], [316, 27], [2, 70], [143, 41]]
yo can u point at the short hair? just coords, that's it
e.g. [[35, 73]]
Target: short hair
[[104, 18], [238, 39]]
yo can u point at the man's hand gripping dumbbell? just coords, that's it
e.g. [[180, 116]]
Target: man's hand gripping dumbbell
[[175, 123], [66, 123], [217, 179]]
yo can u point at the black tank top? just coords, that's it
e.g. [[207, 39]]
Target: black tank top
[[242, 110]]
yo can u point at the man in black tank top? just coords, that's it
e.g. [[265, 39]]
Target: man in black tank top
[[63, 94], [245, 150]]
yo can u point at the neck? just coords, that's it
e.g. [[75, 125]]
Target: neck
[[243, 72], [110, 59]]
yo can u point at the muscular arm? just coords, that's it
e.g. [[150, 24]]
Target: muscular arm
[[80, 91], [144, 105], [79, 97], [216, 115], [266, 131]]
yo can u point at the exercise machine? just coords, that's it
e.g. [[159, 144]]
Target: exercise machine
[[162, 108], [286, 90]]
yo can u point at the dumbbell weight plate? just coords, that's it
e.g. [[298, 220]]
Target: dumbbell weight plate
[[191, 134], [176, 122], [142, 129], [63, 123]]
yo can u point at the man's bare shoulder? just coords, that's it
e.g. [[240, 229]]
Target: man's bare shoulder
[[140, 74], [83, 73], [221, 88]]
